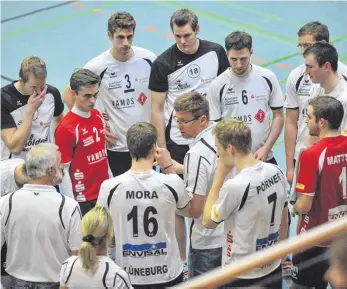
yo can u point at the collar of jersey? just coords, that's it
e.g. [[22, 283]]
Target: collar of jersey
[[81, 113], [202, 134], [41, 188]]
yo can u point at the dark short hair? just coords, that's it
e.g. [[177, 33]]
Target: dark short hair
[[317, 29], [194, 103], [328, 108], [182, 17], [83, 78], [324, 52], [141, 137], [120, 20], [238, 40]]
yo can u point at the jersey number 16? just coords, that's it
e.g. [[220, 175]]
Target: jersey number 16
[[150, 224]]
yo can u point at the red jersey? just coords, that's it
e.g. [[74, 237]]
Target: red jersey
[[82, 142], [323, 175]]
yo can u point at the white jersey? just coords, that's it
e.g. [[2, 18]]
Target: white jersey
[[143, 207], [340, 93], [249, 99], [124, 98], [8, 181], [200, 165], [299, 89], [41, 227], [177, 73], [107, 275], [251, 206]]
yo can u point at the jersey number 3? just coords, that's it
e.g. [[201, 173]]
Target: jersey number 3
[[147, 221]]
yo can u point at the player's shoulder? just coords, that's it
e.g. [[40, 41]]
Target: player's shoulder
[[166, 57], [297, 72], [144, 53], [70, 202], [169, 179], [342, 70], [99, 62], [7, 91], [208, 46], [263, 71], [53, 90], [221, 79]]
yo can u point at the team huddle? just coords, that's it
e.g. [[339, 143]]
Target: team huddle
[[90, 207]]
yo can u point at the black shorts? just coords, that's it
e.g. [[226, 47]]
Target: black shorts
[[87, 206], [272, 280], [309, 267], [172, 283], [119, 162], [177, 152]]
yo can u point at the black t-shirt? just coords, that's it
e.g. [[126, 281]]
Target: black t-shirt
[[13, 104], [177, 73]]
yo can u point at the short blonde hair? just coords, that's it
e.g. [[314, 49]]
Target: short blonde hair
[[234, 132], [32, 65], [97, 232]]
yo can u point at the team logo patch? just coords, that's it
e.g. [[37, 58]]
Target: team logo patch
[[193, 71], [300, 186], [142, 99], [260, 116]]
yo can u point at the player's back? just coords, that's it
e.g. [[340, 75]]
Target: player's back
[[330, 201], [143, 207], [255, 223]]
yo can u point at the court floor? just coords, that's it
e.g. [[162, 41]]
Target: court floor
[[66, 34]]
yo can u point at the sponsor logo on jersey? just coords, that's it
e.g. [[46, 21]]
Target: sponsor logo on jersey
[[337, 213], [259, 97], [96, 157], [231, 100], [114, 84], [181, 85], [123, 103], [179, 63], [19, 102], [267, 241], [142, 80], [300, 186], [78, 175], [229, 242], [230, 90], [144, 250], [247, 118], [113, 74], [260, 116], [207, 80], [32, 141], [142, 99], [88, 141], [45, 123], [79, 187], [84, 131], [149, 271]]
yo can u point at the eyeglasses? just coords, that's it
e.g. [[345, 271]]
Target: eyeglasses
[[305, 45], [185, 121]]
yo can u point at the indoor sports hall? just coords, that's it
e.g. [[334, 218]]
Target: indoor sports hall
[[66, 34]]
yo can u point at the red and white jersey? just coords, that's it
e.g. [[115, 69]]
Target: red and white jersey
[[81, 140], [323, 175]]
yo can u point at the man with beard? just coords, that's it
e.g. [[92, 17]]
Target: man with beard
[[249, 93], [321, 187], [40, 227]]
